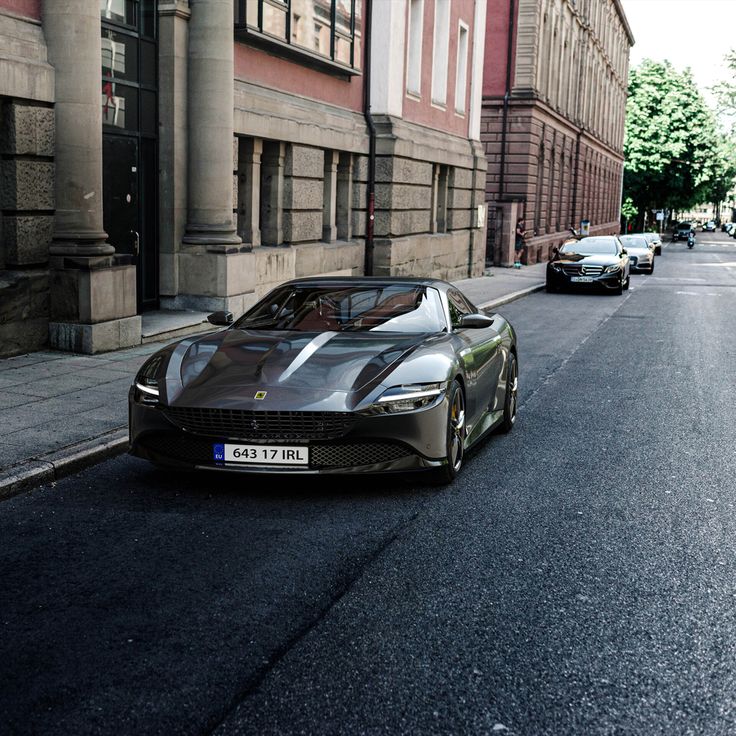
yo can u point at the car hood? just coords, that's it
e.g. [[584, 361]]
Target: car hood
[[587, 260], [230, 367]]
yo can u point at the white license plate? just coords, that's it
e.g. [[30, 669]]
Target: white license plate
[[582, 279], [261, 454]]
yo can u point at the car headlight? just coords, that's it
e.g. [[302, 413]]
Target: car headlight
[[405, 398], [146, 382], [555, 266], [612, 269]]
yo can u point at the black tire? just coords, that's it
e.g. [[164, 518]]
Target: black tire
[[658, 250], [627, 283], [549, 288], [454, 437], [651, 270], [620, 288], [510, 401]]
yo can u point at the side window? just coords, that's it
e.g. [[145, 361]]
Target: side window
[[459, 306]]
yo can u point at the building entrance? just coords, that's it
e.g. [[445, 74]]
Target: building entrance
[[129, 137]]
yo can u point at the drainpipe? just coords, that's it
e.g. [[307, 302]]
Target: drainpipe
[[371, 189], [506, 98]]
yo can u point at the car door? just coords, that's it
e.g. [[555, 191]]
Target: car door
[[481, 357]]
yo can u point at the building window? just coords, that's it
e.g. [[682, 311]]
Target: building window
[[440, 51], [461, 76], [330, 29], [416, 35]]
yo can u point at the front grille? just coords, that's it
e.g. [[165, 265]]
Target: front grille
[[262, 425], [592, 270], [577, 270], [178, 447], [348, 456], [199, 451]]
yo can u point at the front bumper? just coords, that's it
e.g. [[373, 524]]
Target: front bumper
[[562, 280], [641, 264], [372, 444]]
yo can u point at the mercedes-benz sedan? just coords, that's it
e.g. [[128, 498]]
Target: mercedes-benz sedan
[[331, 375], [598, 261]]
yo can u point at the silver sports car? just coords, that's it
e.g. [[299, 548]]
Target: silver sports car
[[331, 375]]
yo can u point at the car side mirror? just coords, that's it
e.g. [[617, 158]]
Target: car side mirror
[[222, 319], [476, 321], [624, 252], [555, 251]]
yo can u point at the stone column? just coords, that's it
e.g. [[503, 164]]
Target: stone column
[[211, 112], [93, 293], [329, 197], [72, 30], [344, 196], [249, 189]]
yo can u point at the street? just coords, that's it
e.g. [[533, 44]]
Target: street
[[578, 577]]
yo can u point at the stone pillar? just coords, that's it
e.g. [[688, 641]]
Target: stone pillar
[[249, 189], [329, 197], [72, 32], [272, 178], [93, 302], [173, 28], [344, 196], [211, 112]]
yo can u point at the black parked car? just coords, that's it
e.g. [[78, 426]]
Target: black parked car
[[600, 261], [683, 230]]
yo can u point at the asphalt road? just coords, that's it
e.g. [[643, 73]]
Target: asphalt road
[[579, 577]]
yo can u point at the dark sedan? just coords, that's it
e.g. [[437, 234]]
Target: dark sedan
[[599, 261], [331, 375]]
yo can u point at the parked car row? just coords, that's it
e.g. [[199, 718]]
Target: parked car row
[[603, 261]]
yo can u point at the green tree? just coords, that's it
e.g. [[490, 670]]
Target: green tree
[[724, 172], [725, 92], [670, 141]]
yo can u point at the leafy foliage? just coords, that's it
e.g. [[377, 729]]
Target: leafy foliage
[[671, 141], [628, 209]]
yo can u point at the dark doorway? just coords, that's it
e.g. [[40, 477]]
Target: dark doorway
[[129, 137]]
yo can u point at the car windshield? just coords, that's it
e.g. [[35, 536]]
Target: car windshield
[[405, 308], [683, 226], [634, 241], [591, 246]]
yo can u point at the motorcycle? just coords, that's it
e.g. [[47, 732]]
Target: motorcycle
[[690, 240]]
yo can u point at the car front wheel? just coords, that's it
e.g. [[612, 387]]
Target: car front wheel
[[454, 436]]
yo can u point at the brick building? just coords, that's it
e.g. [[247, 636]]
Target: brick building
[[191, 154], [554, 106]]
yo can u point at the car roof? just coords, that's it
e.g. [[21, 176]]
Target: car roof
[[368, 281]]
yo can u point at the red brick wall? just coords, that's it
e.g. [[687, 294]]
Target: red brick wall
[[422, 110], [27, 8], [260, 67], [497, 33]]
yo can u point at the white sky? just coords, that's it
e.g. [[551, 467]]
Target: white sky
[[694, 33]]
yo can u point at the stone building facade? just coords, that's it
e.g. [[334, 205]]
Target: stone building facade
[[554, 106], [192, 154]]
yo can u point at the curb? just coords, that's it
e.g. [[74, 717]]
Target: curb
[[500, 301], [60, 463]]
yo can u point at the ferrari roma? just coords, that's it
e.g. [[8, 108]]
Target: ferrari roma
[[331, 375]]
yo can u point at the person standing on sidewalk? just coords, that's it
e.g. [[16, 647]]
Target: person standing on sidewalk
[[520, 243]]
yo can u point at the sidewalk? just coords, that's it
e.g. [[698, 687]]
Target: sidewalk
[[61, 412]]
